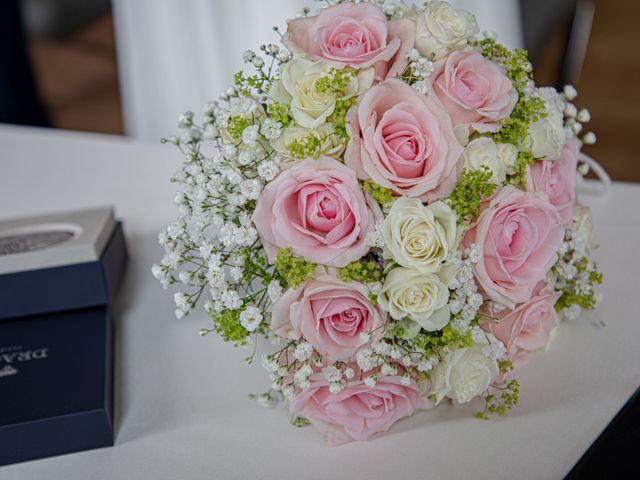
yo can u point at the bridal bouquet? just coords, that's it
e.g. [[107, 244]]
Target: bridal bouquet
[[390, 200]]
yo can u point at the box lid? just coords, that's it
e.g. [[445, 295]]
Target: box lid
[[59, 262]]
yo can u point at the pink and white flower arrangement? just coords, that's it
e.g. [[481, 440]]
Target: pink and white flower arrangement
[[389, 200]]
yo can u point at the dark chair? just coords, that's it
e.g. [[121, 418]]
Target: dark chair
[[542, 19]]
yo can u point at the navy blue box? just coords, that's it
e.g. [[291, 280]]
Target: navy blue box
[[56, 348]]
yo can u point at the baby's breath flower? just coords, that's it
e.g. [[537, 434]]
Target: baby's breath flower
[[589, 138], [268, 170], [185, 119], [271, 129], [303, 351], [284, 56], [248, 56], [251, 189], [576, 127], [332, 374], [250, 134], [250, 318], [274, 291], [477, 335], [570, 110], [388, 369], [288, 392], [365, 336], [335, 387], [231, 299], [495, 350], [365, 359], [370, 381], [584, 116], [570, 92], [266, 401]]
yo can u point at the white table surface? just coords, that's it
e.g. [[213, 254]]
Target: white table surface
[[181, 407]]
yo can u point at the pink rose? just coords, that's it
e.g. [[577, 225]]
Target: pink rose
[[475, 91], [358, 411], [519, 233], [403, 141], [557, 178], [354, 35], [318, 210], [528, 327], [329, 314]]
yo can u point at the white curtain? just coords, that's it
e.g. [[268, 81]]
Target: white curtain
[[174, 55]]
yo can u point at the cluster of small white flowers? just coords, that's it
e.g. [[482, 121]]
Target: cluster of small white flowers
[[184, 304], [274, 291], [422, 68], [465, 301], [428, 364], [162, 273], [269, 363], [394, 11], [278, 372], [213, 248], [374, 238], [301, 376], [572, 252], [251, 318], [250, 57], [268, 170], [370, 380], [291, 367], [271, 129], [566, 264], [385, 359], [495, 350], [250, 135], [202, 247], [389, 369], [334, 375], [384, 348], [374, 287], [271, 50], [574, 119], [366, 359], [303, 351], [266, 400]]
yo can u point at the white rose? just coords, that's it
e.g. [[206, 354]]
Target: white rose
[[298, 87], [331, 144], [463, 374], [418, 236], [547, 135], [420, 297], [500, 158], [584, 224], [440, 28]]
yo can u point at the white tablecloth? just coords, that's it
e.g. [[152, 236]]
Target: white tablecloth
[[182, 410]]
